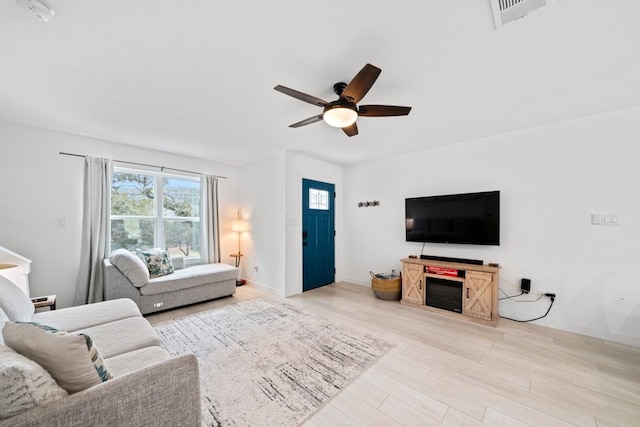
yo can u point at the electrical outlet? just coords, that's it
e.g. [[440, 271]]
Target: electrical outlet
[[605, 219]]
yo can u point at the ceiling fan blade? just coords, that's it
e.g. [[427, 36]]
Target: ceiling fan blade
[[301, 96], [382, 110], [351, 130], [361, 83], [307, 121]]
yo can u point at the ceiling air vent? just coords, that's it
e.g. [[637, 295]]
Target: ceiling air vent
[[505, 11]]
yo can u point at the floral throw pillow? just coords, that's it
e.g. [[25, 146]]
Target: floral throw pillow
[[158, 262], [71, 358]]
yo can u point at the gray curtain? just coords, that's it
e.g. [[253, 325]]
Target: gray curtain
[[209, 223], [96, 230]]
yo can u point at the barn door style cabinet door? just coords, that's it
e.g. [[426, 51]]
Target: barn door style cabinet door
[[477, 294], [413, 283]]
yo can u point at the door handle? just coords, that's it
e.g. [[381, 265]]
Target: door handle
[[467, 292], [420, 284]]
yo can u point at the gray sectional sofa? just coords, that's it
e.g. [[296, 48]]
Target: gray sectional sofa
[[148, 386], [124, 277]]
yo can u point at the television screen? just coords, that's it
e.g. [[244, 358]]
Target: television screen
[[470, 218]]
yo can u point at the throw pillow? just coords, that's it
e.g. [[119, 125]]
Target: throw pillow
[[25, 384], [71, 359], [131, 266], [158, 262], [15, 303]]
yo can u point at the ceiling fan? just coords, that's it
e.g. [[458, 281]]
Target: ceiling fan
[[344, 112]]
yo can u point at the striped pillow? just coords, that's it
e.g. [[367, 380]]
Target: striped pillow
[[131, 266], [15, 303], [25, 384]]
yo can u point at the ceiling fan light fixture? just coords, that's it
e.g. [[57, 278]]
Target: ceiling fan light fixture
[[340, 114]]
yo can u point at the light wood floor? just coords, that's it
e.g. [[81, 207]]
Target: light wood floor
[[449, 372]]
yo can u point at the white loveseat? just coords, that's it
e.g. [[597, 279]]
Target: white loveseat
[[126, 276], [148, 387]]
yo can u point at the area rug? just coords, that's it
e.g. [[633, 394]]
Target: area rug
[[265, 362]]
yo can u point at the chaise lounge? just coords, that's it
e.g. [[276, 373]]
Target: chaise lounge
[[127, 276]]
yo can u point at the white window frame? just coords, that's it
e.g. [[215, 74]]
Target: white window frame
[[319, 200], [158, 203]]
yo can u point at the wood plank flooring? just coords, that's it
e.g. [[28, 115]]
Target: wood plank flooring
[[450, 372]]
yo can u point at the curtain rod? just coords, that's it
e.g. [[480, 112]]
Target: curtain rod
[[162, 168]]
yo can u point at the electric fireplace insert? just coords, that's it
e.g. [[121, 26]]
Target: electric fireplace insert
[[444, 294]]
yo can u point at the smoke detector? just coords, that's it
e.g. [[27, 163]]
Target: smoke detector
[[40, 8], [505, 11]]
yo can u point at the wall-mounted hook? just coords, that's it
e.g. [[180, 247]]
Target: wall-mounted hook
[[368, 204]]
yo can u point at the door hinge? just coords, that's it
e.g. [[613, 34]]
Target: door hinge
[[334, 270], [334, 194], [334, 233]]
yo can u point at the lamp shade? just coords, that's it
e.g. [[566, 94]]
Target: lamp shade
[[340, 115], [240, 225]]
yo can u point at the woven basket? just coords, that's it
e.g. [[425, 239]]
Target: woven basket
[[387, 289]]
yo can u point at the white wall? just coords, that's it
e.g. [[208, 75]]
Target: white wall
[[271, 198], [263, 204], [299, 167], [551, 179], [39, 186]]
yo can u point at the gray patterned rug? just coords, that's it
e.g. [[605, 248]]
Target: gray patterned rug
[[265, 362]]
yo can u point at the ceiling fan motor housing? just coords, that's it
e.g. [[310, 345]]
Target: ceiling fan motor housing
[[339, 87]]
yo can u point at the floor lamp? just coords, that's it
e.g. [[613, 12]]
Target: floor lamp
[[239, 226]]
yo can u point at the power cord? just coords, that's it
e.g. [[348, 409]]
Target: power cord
[[551, 296], [509, 296], [519, 295]]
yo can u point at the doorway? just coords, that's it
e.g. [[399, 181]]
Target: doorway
[[318, 234]]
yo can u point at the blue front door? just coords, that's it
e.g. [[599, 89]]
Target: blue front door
[[318, 234]]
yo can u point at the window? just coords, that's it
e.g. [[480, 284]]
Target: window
[[318, 199], [155, 210]]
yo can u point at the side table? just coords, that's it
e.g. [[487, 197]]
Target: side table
[[46, 301], [240, 281]]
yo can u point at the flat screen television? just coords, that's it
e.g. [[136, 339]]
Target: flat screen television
[[470, 218]]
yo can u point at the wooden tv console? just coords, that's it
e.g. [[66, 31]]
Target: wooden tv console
[[479, 288]]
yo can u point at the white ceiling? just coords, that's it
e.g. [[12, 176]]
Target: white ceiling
[[196, 77]]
